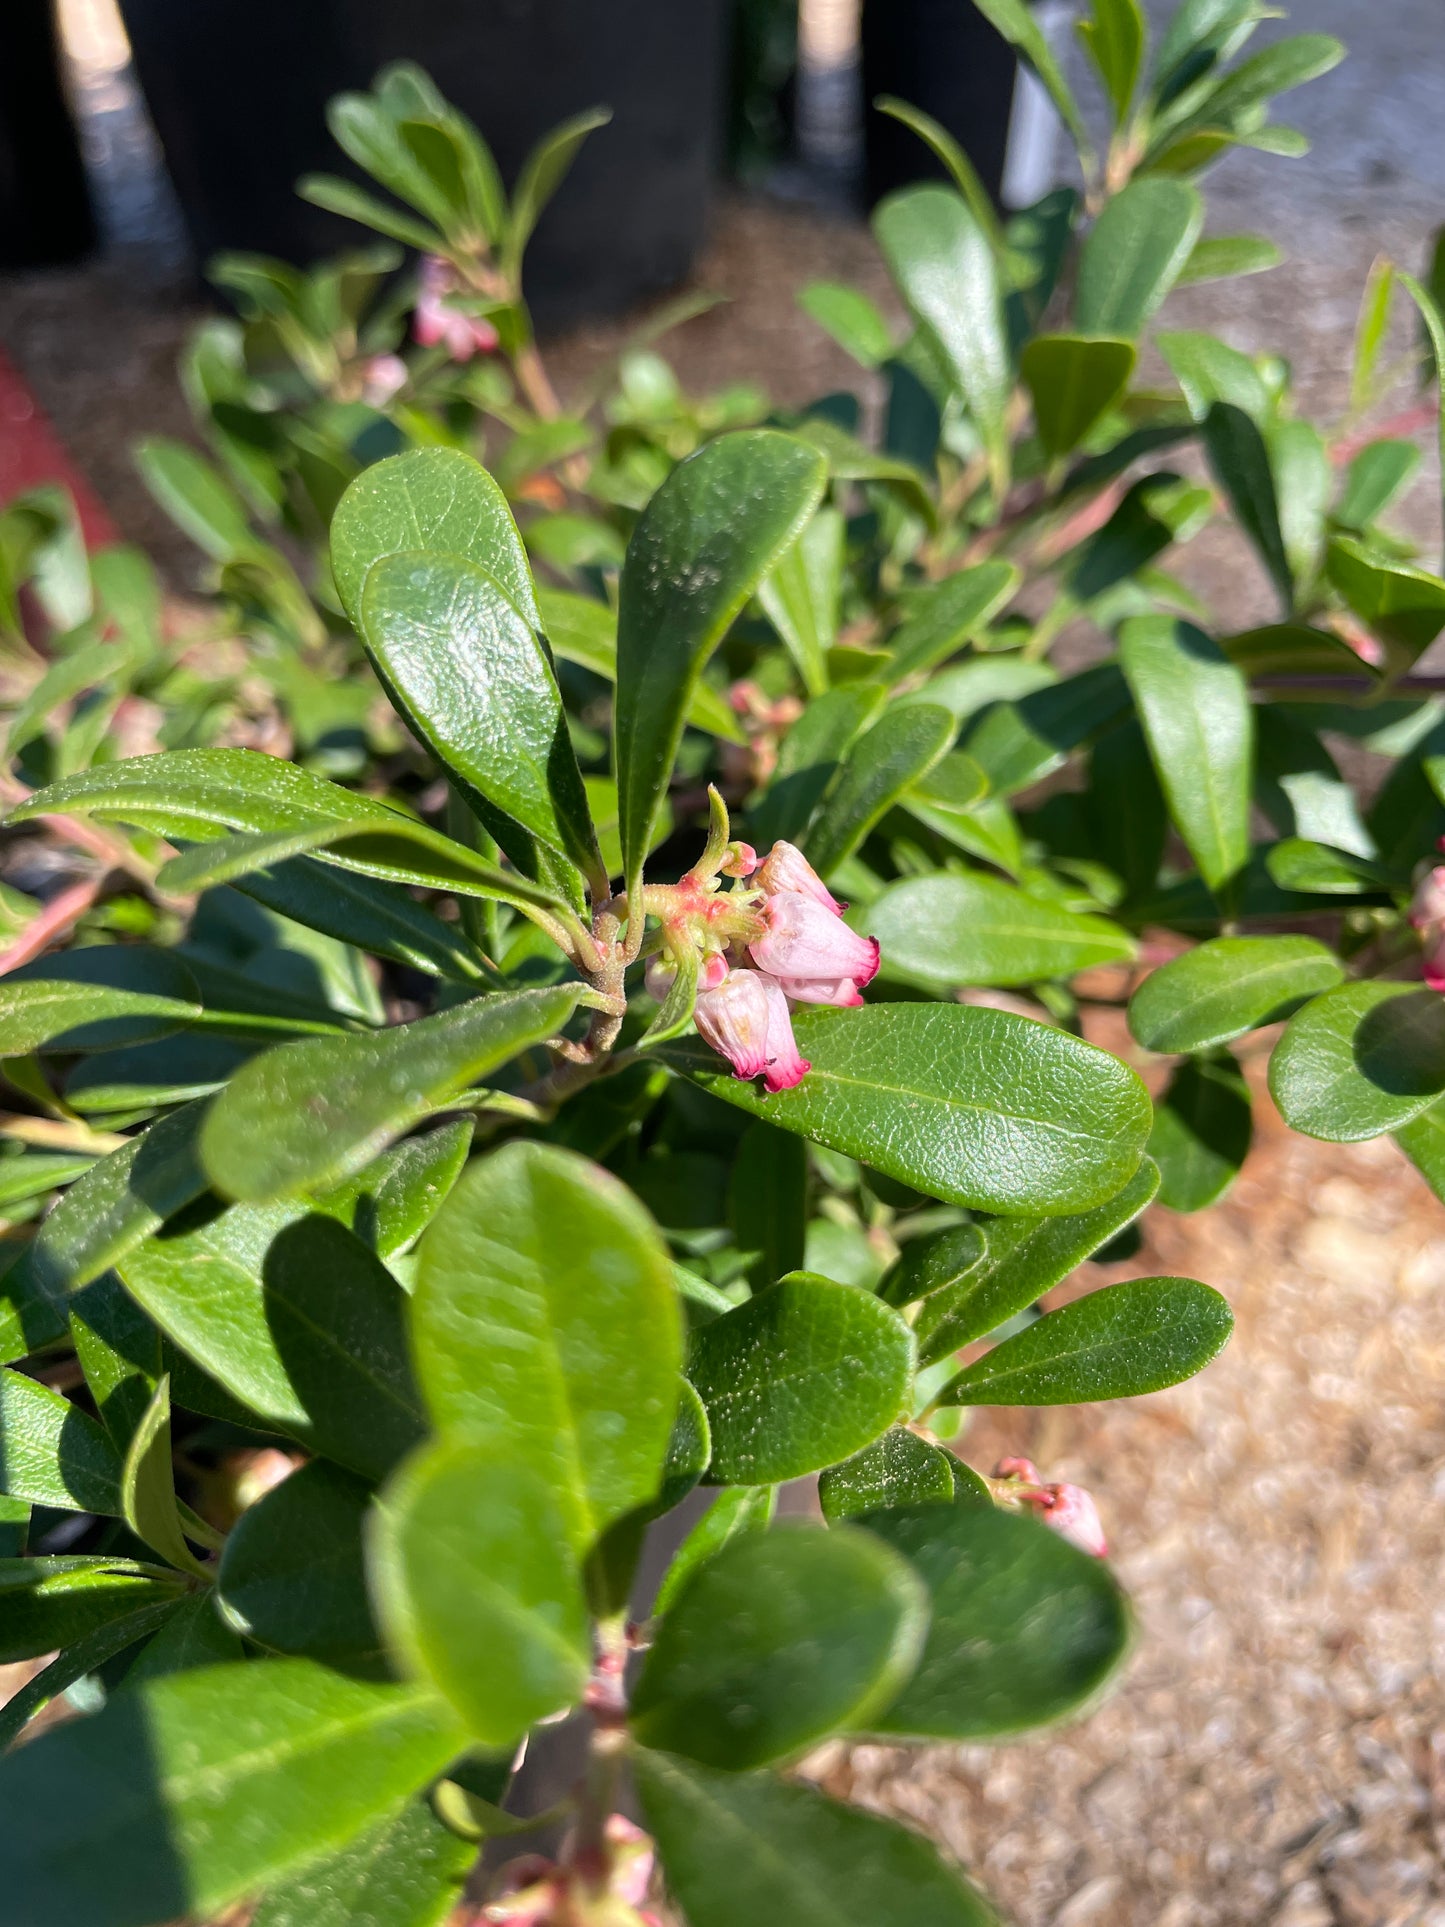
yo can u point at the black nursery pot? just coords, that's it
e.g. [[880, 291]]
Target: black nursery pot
[[238, 88], [942, 56]]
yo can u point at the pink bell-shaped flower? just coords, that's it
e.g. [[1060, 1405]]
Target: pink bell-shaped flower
[[805, 942], [1068, 1509], [1427, 915], [746, 1021], [786, 868], [436, 323]]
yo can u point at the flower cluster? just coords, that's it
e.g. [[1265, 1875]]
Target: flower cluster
[[763, 950], [1069, 1509], [438, 323], [1427, 915]]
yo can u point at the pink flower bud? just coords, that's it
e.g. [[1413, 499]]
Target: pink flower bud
[[1427, 914], [802, 940], [437, 323], [382, 376], [711, 971], [746, 1020], [658, 977], [740, 861], [786, 868], [1071, 1511]]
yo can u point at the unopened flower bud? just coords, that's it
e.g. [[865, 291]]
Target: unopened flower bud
[[786, 868], [382, 377], [437, 323], [1067, 1509], [740, 861], [746, 1020]]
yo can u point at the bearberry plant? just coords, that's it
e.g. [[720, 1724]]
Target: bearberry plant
[[662, 1070]]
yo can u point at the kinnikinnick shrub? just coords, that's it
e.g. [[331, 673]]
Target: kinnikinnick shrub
[[589, 1000]]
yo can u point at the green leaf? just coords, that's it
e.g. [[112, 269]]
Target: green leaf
[[148, 1492], [736, 1509], [407, 1870], [367, 912], [84, 1655], [477, 1585], [1025, 1626], [196, 1789], [1361, 1060], [1018, 742], [472, 680], [775, 1643], [851, 319], [57, 1602], [957, 164], [433, 499], [902, 746], [197, 497], [739, 1847], [1240, 461], [941, 931], [119, 1202], [1210, 371], [99, 998], [390, 1203], [1318, 869], [768, 1201], [1194, 706], [353, 203], [945, 615], [800, 597], [582, 630], [543, 172], [1222, 257], [305, 1116], [973, 1106], [293, 1575], [1135, 252], [193, 1636], [1115, 39], [293, 1316], [1226, 987], [1115, 1343], [1304, 481], [899, 1469], [51, 1453], [945, 268], [1373, 480], [932, 1263], [798, 1378], [119, 1350], [953, 788], [545, 1322], [810, 758], [1427, 300], [1295, 649], [1016, 22], [705, 541], [192, 795], [1203, 1125], [1423, 1142], [1403, 606], [1074, 380], [1025, 1258]]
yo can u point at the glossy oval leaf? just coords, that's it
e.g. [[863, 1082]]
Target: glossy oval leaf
[[1195, 710], [1025, 1627], [902, 746], [98, 998], [1360, 1060], [1072, 381], [943, 263], [199, 1788], [52, 1453], [1135, 252], [148, 1492], [58, 1601], [942, 931], [477, 1585], [936, 1262], [972, 1106], [306, 1116], [293, 1574], [738, 1847], [703, 544], [800, 597], [544, 1321], [434, 499], [899, 1469], [736, 1509], [1203, 1127], [407, 1870], [798, 1378], [945, 615], [1228, 986], [1240, 460], [1025, 1257], [780, 1640], [1118, 1342], [468, 673]]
